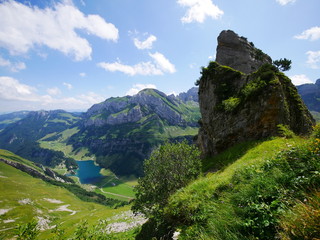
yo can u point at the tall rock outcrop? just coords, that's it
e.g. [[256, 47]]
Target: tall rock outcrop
[[236, 52], [238, 106]]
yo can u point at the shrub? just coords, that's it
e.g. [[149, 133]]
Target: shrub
[[284, 131], [230, 104], [283, 64], [259, 54], [316, 131], [169, 168], [28, 231]]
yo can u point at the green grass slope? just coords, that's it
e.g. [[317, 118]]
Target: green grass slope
[[24, 199], [257, 185]]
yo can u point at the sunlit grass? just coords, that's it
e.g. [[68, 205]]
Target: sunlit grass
[[16, 186], [217, 205]]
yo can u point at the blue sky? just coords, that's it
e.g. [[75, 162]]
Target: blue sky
[[70, 54]]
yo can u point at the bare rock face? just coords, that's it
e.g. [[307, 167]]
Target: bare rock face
[[238, 53], [238, 107]]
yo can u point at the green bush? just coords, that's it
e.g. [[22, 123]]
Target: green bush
[[230, 104], [28, 231], [259, 54], [316, 131], [169, 168], [284, 131]]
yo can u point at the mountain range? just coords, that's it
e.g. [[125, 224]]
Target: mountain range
[[310, 93], [118, 133]]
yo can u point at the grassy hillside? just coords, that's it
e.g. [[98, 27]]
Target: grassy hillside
[[57, 141], [252, 193], [24, 198], [6, 119], [116, 187], [21, 137]]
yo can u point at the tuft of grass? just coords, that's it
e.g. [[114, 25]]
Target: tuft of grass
[[302, 221]]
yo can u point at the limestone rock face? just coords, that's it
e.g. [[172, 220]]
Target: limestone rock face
[[238, 107], [238, 53], [190, 95], [131, 109], [158, 102]]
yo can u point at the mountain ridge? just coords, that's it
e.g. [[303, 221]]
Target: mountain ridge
[[121, 132], [118, 128], [310, 93]]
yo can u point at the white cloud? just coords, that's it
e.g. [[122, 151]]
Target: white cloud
[[285, 2], [82, 74], [212, 57], [163, 63], [146, 44], [300, 79], [12, 89], [24, 27], [199, 10], [68, 85], [17, 96], [159, 66], [138, 87], [312, 34], [313, 59], [53, 91], [13, 67], [173, 93], [143, 68], [90, 98]]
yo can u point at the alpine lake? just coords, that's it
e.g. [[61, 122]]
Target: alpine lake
[[88, 172]]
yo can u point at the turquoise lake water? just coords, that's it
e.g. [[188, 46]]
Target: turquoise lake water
[[88, 172]]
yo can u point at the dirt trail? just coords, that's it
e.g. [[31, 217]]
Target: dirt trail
[[115, 194]]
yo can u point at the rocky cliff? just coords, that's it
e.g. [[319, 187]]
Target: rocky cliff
[[245, 104]]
